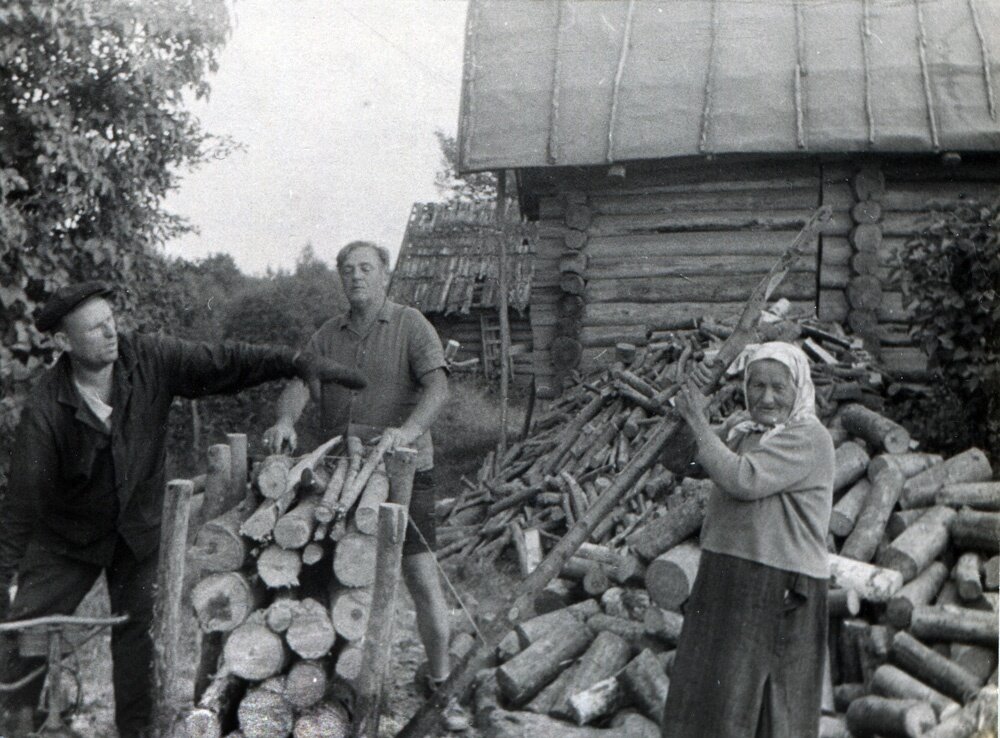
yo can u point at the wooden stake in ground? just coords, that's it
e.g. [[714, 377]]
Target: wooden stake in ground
[[167, 617], [218, 483], [429, 715], [377, 649]]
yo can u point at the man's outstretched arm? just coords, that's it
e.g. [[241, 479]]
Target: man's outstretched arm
[[291, 402]]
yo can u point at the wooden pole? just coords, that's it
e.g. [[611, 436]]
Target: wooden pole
[[428, 717], [167, 613], [377, 648], [502, 297], [218, 482], [238, 460]]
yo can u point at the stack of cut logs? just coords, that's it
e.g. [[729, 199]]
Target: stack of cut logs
[[914, 542], [281, 636]]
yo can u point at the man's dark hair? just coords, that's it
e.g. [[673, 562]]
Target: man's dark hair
[[382, 251]]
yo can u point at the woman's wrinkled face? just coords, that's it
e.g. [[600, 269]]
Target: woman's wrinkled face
[[770, 392]]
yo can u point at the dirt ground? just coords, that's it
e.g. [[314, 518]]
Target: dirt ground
[[95, 717]]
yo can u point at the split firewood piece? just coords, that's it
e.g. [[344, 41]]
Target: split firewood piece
[[667, 531], [259, 526], [265, 713], [890, 681], [354, 559], [887, 484], [253, 651], [971, 719], [845, 513], [310, 634], [977, 495], [631, 631], [355, 483], [843, 603], [327, 507], [348, 665], [833, 726], [670, 577], [305, 684], [327, 719], [528, 545], [920, 544], [376, 492], [224, 600], [349, 609], [606, 655], [278, 567], [951, 623], [552, 693], [218, 545], [967, 577], [977, 530], [271, 476], [647, 684], [527, 673], [664, 625], [278, 614], [932, 668], [215, 709], [969, 466], [312, 553], [872, 583], [877, 430], [850, 463], [294, 529], [597, 701], [919, 591], [872, 715], [622, 602], [310, 461]]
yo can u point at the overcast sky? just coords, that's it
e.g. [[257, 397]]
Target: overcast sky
[[336, 103]]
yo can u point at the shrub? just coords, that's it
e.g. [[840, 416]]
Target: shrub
[[951, 274]]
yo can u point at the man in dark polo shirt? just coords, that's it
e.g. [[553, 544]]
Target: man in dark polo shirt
[[86, 485], [400, 354]]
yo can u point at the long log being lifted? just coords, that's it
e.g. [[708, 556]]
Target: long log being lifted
[[668, 430]]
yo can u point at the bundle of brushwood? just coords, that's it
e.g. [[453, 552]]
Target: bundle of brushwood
[[914, 542], [284, 596]]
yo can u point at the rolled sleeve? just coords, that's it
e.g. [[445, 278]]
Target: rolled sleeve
[[424, 350], [33, 469], [774, 466]]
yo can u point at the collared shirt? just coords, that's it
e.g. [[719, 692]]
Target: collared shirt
[[399, 348], [76, 486]]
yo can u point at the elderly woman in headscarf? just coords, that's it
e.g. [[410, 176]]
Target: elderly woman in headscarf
[[750, 661]]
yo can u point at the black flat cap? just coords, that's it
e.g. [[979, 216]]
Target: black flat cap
[[65, 300]]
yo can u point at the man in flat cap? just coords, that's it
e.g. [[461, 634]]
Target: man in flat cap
[[87, 480]]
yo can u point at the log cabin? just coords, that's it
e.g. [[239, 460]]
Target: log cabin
[[669, 150], [448, 269]]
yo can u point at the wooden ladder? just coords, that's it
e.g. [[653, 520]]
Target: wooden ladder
[[489, 327]]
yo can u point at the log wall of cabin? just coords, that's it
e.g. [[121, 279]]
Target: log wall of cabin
[[665, 247]]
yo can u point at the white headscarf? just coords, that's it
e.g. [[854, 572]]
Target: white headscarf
[[795, 360]]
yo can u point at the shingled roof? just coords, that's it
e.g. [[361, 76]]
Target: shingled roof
[[448, 261], [586, 82]]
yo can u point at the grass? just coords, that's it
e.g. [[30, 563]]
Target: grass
[[468, 428]]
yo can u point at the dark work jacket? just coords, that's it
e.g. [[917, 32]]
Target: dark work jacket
[[75, 487]]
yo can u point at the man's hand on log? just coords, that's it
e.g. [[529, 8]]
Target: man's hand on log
[[702, 374], [312, 368], [279, 436], [393, 438]]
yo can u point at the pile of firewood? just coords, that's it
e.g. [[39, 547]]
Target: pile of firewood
[[548, 480], [284, 596], [913, 541]]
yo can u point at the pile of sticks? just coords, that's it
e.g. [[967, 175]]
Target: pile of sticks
[[573, 452], [914, 542], [284, 596]]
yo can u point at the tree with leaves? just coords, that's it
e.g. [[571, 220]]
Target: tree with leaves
[[453, 187], [93, 133]]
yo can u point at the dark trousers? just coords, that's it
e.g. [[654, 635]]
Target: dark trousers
[[51, 584]]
